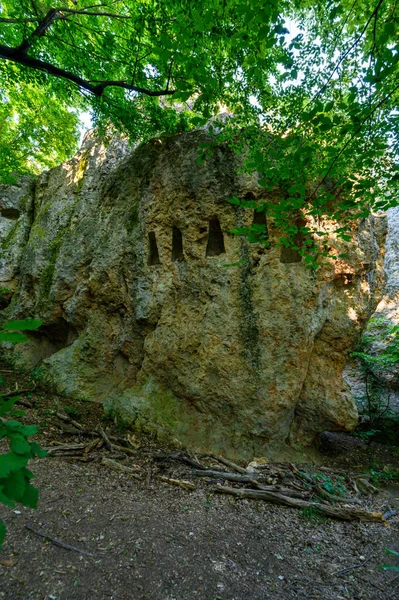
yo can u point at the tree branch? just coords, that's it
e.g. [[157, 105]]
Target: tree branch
[[6, 20], [40, 30], [354, 135], [346, 53], [19, 56], [57, 14]]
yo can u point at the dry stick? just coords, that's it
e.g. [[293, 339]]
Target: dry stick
[[105, 438], [248, 477], [186, 485], [58, 543], [25, 403], [254, 479], [348, 569], [229, 464], [112, 446], [92, 445], [61, 450], [344, 513], [86, 431], [333, 498], [116, 466], [69, 420], [180, 457], [18, 392]]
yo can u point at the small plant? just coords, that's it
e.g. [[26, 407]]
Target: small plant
[[376, 366], [312, 514], [15, 478], [73, 412], [38, 375], [336, 488], [387, 474], [391, 567]]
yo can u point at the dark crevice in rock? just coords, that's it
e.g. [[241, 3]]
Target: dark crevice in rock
[[249, 196], [177, 244], [153, 255], [60, 333], [215, 244], [10, 213]]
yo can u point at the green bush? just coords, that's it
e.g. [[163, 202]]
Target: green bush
[[15, 477], [376, 366]]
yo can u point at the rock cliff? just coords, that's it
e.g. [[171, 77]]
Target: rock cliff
[[181, 328], [382, 388]]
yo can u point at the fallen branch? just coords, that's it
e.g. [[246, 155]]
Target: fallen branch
[[186, 485], [18, 392], [58, 543], [255, 479], [55, 450], [229, 463], [238, 477], [116, 466], [179, 457], [348, 569], [111, 446], [333, 498], [105, 438], [335, 512], [92, 445], [69, 420]]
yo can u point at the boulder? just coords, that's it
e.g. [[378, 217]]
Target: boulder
[[151, 305]]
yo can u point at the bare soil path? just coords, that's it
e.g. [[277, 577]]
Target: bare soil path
[[145, 539]]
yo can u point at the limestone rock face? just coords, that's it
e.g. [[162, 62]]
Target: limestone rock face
[[385, 317], [180, 327]]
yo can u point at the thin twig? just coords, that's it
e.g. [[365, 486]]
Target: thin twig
[[18, 392], [58, 543], [348, 569], [105, 438]]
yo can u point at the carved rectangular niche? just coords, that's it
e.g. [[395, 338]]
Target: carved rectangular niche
[[215, 245], [153, 254], [177, 244]]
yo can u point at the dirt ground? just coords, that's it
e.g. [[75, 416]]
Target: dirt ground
[[145, 539]]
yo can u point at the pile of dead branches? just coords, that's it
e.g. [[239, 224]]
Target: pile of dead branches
[[329, 493]]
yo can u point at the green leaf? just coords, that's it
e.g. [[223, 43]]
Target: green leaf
[[19, 445], [393, 552], [23, 325], [35, 448], [7, 406], [4, 499], [5, 336], [11, 462], [30, 496], [28, 430], [14, 486]]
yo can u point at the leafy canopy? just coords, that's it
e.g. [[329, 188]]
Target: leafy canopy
[[311, 88]]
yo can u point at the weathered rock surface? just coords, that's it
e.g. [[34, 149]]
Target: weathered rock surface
[[126, 256], [383, 388]]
